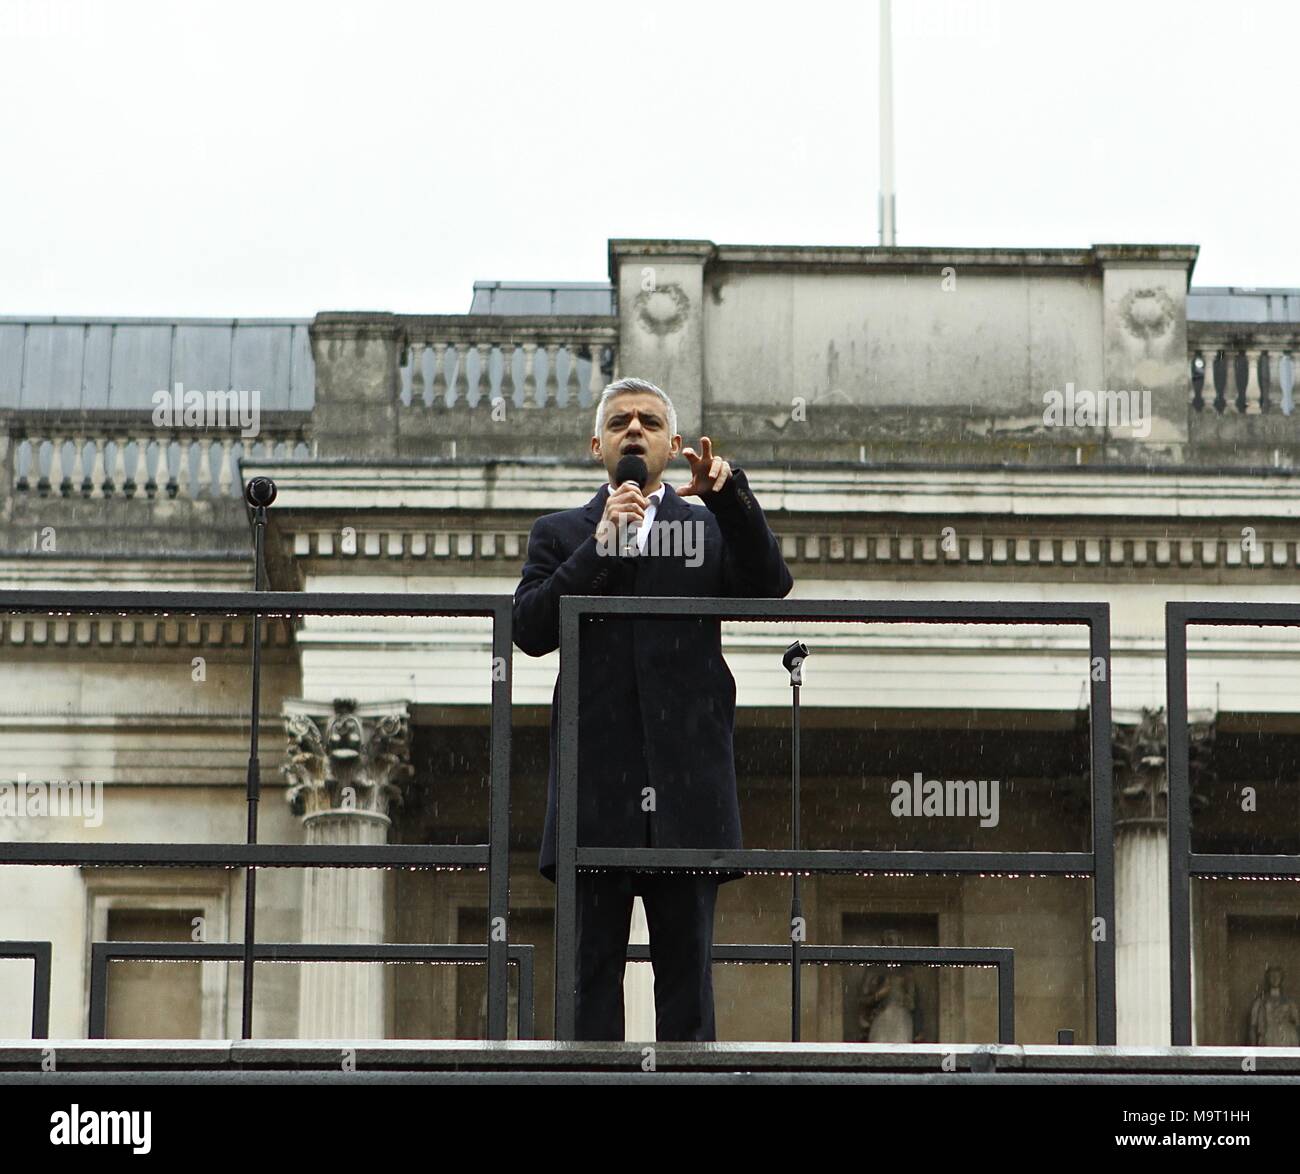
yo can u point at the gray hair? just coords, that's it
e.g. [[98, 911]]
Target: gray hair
[[626, 385]]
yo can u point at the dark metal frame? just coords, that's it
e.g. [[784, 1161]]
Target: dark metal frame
[[40, 954], [494, 855], [1184, 864], [1000, 957], [1099, 863], [102, 953]]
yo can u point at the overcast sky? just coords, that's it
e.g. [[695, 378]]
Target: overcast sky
[[273, 158]]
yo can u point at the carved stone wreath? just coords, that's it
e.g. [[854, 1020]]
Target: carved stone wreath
[[1147, 313], [663, 309]]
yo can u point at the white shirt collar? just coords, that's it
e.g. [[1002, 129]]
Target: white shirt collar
[[656, 496]]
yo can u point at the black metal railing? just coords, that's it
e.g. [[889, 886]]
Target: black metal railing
[[1000, 958], [492, 856], [102, 953], [40, 954], [1184, 864], [570, 857]]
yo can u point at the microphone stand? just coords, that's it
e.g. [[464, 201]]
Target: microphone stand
[[793, 660], [258, 494]]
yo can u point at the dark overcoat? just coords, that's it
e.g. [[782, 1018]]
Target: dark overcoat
[[657, 701]]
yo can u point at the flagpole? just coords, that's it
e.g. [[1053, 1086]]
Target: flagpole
[[885, 207]]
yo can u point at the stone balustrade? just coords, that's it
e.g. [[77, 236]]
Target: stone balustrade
[[1244, 369], [124, 455], [472, 362]]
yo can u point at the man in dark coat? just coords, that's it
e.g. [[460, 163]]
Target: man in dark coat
[[657, 701]]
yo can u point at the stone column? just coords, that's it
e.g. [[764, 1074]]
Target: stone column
[[639, 984], [1142, 870], [1141, 879], [344, 781]]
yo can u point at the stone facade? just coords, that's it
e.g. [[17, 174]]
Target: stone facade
[[894, 411]]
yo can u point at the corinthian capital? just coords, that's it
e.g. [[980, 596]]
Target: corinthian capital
[[346, 757]]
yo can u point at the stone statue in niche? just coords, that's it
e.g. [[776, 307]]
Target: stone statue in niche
[[888, 1011], [1274, 1018]]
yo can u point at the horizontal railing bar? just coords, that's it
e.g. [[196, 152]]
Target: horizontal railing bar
[[1242, 864], [921, 955], [246, 855], [1284, 614], [286, 603], [301, 952], [920, 611], [759, 860]]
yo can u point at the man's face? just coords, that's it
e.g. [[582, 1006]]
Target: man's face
[[636, 422]]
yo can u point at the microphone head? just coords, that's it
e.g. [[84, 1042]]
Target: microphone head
[[631, 468], [260, 491]]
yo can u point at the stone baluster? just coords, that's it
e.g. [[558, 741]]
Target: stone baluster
[[508, 374], [203, 478], [1240, 363], [416, 354], [438, 388], [225, 479], [158, 446], [1286, 381], [116, 482], [1218, 363], [1248, 398], [183, 488], [1200, 371], [483, 386], [596, 377], [530, 374], [551, 388], [166, 447], [460, 388], [97, 474], [56, 482], [572, 390]]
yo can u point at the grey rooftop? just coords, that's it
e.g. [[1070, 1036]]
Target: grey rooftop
[[91, 363]]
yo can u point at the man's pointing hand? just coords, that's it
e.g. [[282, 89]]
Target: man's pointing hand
[[708, 473]]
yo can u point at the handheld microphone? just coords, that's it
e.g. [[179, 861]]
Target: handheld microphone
[[631, 468]]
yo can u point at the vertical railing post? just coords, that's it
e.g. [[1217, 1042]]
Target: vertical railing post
[[566, 828], [1103, 823], [1180, 822], [499, 824]]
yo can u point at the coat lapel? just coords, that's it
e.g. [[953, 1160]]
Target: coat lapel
[[596, 506]]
